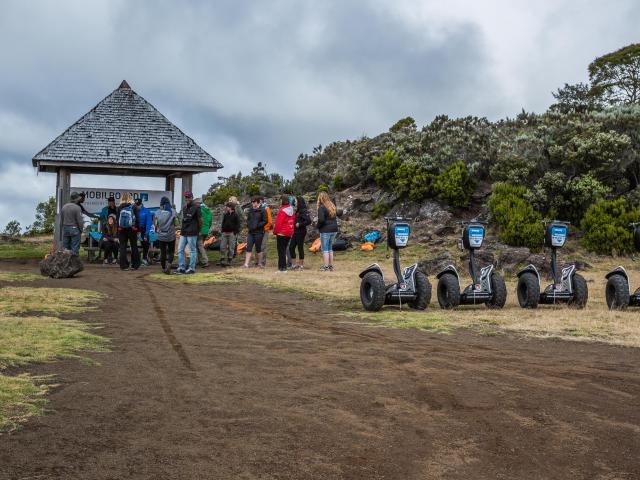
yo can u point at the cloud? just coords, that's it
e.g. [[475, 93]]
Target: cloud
[[263, 82]]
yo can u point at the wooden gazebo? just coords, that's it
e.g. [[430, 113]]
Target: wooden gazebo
[[122, 135]]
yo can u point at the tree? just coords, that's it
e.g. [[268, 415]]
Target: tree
[[12, 229], [407, 124], [574, 99], [45, 217], [615, 77]]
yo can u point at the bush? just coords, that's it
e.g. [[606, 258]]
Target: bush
[[413, 181], [337, 183], [606, 227], [323, 187], [519, 224], [454, 185], [380, 209], [384, 168]]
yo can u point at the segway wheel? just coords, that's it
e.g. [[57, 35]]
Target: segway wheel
[[372, 291], [448, 291], [617, 293], [580, 292], [499, 290], [423, 292], [528, 290]]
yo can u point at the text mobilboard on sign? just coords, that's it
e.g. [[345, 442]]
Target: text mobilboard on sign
[[96, 198]]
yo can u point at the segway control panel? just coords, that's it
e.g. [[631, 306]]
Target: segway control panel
[[472, 236], [398, 234], [555, 234]]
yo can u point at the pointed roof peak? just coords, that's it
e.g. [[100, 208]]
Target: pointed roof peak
[[124, 85]]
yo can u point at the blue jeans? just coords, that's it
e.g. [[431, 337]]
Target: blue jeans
[[71, 239], [326, 241], [192, 240]]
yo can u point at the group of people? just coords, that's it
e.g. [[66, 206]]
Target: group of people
[[130, 223]]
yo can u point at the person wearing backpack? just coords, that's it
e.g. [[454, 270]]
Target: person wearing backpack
[[301, 222], [166, 221], [145, 221], [128, 232], [283, 230], [189, 231], [207, 220]]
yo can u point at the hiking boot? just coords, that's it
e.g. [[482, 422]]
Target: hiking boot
[[324, 268], [189, 272], [166, 271], [179, 271], [145, 263], [331, 268]]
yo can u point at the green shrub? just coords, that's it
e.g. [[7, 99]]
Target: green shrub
[[323, 187], [519, 224], [606, 227], [454, 185], [384, 168], [380, 209], [337, 183], [413, 181]]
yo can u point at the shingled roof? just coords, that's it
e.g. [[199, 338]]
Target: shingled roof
[[126, 132]]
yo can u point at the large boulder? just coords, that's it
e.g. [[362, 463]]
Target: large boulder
[[61, 264], [436, 264]]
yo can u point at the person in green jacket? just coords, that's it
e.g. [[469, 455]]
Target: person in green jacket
[[207, 220]]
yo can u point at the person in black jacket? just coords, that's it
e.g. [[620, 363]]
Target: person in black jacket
[[256, 220], [189, 231], [128, 232], [229, 229], [301, 222], [328, 228]]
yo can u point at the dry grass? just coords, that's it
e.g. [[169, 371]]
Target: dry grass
[[19, 277], [594, 323], [198, 277], [21, 397], [53, 301], [26, 340]]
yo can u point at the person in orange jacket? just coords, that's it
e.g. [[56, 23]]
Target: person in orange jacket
[[267, 228]]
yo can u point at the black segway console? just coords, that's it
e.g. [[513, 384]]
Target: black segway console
[[412, 286]]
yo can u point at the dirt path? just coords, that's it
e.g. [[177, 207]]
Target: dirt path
[[242, 382]]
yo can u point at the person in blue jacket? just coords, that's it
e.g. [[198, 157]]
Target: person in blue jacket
[[145, 218], [110, 209]]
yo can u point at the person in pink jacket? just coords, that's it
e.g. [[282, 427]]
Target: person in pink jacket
[[283, 230]]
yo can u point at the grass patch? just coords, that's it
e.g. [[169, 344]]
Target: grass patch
[[22, 249], [21, 397], [396, 318], [39, 339], [20, 300], [198, 277], [19, 277]]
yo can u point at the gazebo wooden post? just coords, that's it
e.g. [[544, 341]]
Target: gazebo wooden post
[[187, 184], [63, 193], [170, 186]]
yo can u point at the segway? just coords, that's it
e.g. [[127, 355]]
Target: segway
[[488, 287], [412, 287], [618, 293], [569, 287]]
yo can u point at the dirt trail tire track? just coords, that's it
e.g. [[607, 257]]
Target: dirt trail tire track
[[276, 387]]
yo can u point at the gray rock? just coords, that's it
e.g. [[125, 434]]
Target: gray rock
[[436, 264], [61, 264]]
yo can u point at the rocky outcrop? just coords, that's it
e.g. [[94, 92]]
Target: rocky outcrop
[[61, 264]]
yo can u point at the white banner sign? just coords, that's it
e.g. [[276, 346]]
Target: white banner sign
[[96, 198]]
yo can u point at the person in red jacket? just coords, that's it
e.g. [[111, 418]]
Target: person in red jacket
[[283, 231]]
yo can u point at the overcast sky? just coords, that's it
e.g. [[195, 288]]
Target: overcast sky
[[265, 81]]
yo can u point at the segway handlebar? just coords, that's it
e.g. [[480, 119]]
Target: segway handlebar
[[545, 222]]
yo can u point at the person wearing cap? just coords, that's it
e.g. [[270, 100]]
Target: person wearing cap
[[189, 231], [72, 223], [207, 219], [256, 220], [229, 227]]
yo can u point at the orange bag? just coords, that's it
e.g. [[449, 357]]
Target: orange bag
[[241, 248], [367, 247], [209, 241], [315, 246]]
